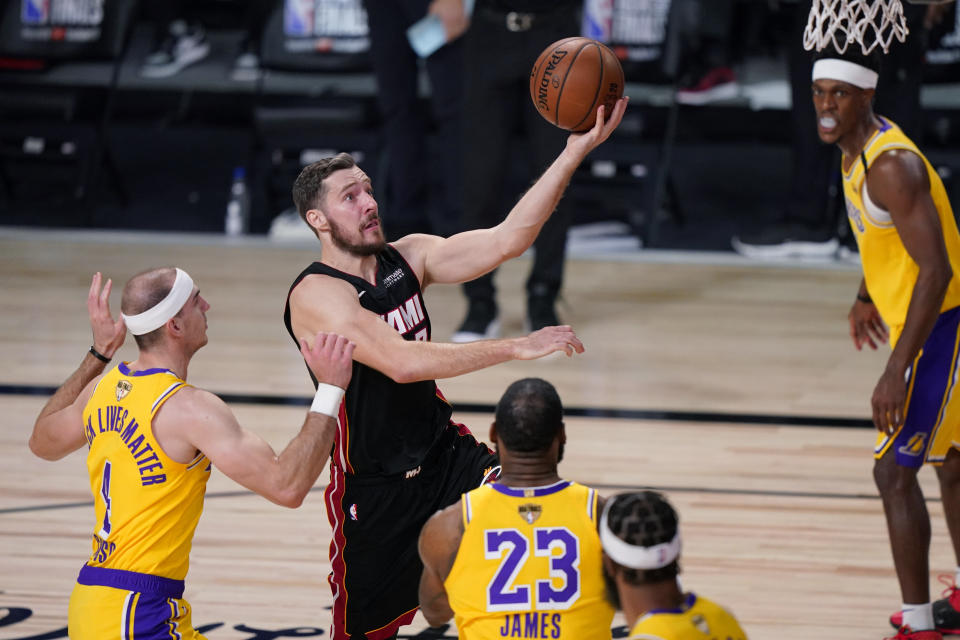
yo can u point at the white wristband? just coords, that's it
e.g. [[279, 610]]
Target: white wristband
[[327, 400]]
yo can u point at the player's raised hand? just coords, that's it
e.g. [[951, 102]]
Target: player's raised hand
[[330, 358], [587, 141], [866, 325], [108, 334], [548, 340]]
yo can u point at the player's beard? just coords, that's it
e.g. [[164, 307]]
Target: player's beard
[[358, 249]]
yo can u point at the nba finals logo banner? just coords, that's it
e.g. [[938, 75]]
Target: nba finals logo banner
[[334, 26], [61, 20]]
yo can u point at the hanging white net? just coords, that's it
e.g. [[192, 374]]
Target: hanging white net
[[842, 23]]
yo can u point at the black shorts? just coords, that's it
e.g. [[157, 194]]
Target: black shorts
[[376, 523]]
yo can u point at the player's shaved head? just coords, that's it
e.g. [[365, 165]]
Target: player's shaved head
[[529, 416], [144, 291]]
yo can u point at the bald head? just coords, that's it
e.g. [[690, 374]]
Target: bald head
[[144, 291]]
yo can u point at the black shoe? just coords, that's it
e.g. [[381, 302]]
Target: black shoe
[[787, 240], [541, 312], [482, 322]]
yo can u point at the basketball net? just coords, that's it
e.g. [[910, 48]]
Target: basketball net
[[869, 23]]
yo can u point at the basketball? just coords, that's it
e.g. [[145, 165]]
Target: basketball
[[571, 79]]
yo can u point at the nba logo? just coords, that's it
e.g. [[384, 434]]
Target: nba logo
[[35, 11], [598, 19], [353, 512], [298, 18]]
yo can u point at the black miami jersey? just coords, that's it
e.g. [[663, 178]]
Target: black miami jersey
[[385, 427]]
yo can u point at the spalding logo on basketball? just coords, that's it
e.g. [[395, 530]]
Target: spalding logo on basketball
[[571, 78]]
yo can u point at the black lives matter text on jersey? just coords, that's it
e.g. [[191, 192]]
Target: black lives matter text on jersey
[[113, 419]]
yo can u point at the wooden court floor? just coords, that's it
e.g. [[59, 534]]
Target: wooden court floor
[[781, 522]]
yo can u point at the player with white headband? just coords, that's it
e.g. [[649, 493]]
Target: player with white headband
[[641, 547], [151, 441], [157, 315], [910, 295]]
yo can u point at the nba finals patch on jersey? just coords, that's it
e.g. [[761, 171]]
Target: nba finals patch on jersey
[[529, 512]]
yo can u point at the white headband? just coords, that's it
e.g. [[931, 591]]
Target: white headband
[[632, 556], [157, 316], [845, 71]]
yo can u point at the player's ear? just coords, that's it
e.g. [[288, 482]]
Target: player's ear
[[174, 326], [493, 433], [317, 219], [563, 433]]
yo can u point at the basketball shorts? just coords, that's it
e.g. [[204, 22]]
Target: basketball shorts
[[376, 523], [931, 426], [107, 604]]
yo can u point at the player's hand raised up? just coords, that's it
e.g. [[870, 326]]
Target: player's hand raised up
[[108, 334], [584, 143], [548, 340]]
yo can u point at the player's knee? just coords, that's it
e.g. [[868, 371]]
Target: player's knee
[[892, 478], [949, 472]]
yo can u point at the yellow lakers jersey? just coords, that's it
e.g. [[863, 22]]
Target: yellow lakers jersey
[[147, 505], [889, 271], [529, 565], [697, 619]]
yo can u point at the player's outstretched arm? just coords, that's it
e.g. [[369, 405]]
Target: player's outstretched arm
[[205, 422], [470, 254], [898, 182], [321, 303], [438, 545], [58, 429]]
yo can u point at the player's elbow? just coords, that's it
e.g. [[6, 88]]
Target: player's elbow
[[510, 240], [405, 373], [435, 607], [36, 449], [947, 276], [41, 448], [435, 618], [513, 247], [939, 277], [290, 498]]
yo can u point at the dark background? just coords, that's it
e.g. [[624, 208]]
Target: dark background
[[85, 142]]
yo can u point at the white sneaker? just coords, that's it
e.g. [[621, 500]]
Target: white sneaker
[[184, 46]]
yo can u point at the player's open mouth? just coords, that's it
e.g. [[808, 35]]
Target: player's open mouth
[[371, 224], [827, 123]]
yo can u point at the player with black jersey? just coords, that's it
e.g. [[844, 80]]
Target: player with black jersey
[[397, 457]]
